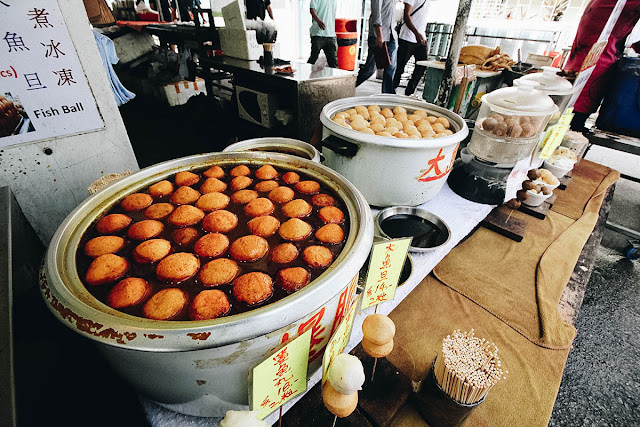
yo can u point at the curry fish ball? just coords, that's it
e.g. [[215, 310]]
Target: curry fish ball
[[211, 245], [308, 187], [259, 207], [297, 208], [330, 233], [240, 182], [107, 268], [399, 110], [159, 211], [264, 226], [295, 230], [291, 178], [185, 236], [209, 304], [213, 185], [218, 272], [243, 197], [266, 172], [178, 267], [249, 248], [167, 304], [136, 201], [253, 288], [373, 107], [281, 195], [323, 200], [266, 186], [386, 112], [128, 292], [214, 172], [293, 279], [241, 170], [145, 229], [151, 251], [102, 245], [186, 178], [161, 189], [184, 196], [212, 202], [221, 221], [284, 253], [317, 256], [185, 215]]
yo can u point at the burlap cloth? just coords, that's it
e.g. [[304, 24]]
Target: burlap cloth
[[508, 292]]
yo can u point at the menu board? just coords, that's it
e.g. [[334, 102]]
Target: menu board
[[44, 92]]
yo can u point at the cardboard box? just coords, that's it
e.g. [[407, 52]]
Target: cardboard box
[[240, 44], [178, 93]]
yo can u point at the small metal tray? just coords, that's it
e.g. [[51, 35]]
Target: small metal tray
[[427, 240]]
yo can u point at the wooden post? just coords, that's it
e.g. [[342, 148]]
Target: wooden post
[[457, 40]]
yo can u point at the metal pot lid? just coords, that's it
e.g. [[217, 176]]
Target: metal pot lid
[[550, 82], [522, 99]]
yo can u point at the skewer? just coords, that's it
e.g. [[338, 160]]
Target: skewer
[[335, 418], [375, 362], [280, 417], [507, 220]]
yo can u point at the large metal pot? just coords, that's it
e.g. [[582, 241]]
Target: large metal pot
[[391, 171], [201, 367]]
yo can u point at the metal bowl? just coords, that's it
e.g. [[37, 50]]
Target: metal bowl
[[437, 238], [294, 147]]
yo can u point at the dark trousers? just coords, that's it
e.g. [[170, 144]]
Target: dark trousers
[[330, 47], [369, 66], [405, 51]]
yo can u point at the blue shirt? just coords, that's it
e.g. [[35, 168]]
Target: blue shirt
[[383, 15], [326, 11]]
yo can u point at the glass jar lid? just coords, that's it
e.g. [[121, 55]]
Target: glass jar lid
[[521, 99], [550, 82]]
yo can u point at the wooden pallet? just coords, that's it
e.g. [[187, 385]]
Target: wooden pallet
[[501, 223]]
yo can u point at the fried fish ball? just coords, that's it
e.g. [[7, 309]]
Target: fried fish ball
[[448, 132], [422, 113], [431, 119], [264, 226], [259, 207], [240, 182], [340, 405], [364, 114], [145, 229], [281, 195], [384, 134], [213, 185], [165, 305], [351, 111], [266, 186], [322, 200], [253, 288], [295, 230], [297, 208], [136, 201], [290, 178], [249, 248], [185, 236], [184, 196], [378, 126], [211, 245], [128, 292], [367, 130], [438, 127], [386, 112], [186, 178], [221, 221], [161, 189], [185, 215], [151, 251], [266, 172], [177, 267], [308, 187], [317, 256], [339, 120], [159, 211], [399, 110], [360, 108], [374, 350], [218, 272], [214, 172], [378, 329], [427, 133], [103, 245], [212, 202], [284, 253], [293, 279], [359, 124], [241, 170], [242, 197], [444, 121], [341, 115], [514, 203], [113, 223], [107, 268], [414, 117], [330, 233], [209, 304], [331, 215], [374, 108]]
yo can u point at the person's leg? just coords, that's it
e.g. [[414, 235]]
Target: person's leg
[[403, 57], [315, 50], [420, 54], [331, 51], [387, 76], [369, 66]]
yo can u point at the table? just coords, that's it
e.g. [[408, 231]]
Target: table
[[303, 93]]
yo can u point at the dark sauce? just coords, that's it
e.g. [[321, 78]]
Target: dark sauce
[[284, 150], [425, 233], [192, 286]]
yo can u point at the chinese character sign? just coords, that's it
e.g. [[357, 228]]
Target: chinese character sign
[[281, 377], [387, 260], [339, 339], [43, 89]]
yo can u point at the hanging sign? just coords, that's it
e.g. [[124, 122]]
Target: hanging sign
[[339, 339], [43, 90], [387, 260]]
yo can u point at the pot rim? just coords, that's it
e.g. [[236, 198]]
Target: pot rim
[[74, 304], [248, 144], [390, 100]]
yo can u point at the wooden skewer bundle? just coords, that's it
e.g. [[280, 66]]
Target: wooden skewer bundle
[[467, 367]]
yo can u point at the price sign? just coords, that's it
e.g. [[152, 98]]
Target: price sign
[[517, 176], [553, 139], [339, 339], [387, 260], [281, 377]]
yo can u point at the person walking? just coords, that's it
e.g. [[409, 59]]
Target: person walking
[[412, 42], [323, 31], [258, 9], [381, 31]]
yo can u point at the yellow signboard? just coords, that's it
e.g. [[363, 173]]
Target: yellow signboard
[[387, 260]]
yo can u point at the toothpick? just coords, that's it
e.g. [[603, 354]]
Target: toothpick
[[375, 309], [335, 418], [507, 220], [280, 418], [375, 362]]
